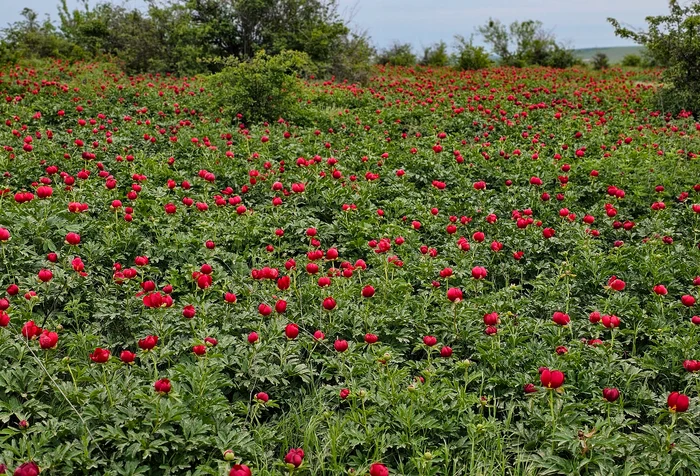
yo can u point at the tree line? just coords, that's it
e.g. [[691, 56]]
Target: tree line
[[189, 36], [194, 36]]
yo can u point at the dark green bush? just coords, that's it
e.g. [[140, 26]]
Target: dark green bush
[[600, 61], [435, 55], [672, 41], [398, 54], [468, 56], [353, 59], [631, 61], [263, 88]]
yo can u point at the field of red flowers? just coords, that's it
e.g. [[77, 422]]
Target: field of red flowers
[[490, 272]]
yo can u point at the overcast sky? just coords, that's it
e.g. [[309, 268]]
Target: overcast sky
[[581, 24]]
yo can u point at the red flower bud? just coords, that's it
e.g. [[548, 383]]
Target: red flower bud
[[378, 469], [677, 402], [611, 394], [127, 357], [340, 345], [162, 386], [552, 378], [239, 470], [291, 331], [295, 457]]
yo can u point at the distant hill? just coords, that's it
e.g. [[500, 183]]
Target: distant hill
[[615, 54]]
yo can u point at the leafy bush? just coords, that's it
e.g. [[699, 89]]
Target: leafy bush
[[352, 61], [631, 61], [29, 38], [560, 57], [435, 55], [264, 88], [468, 56], [398, 54], [672, 41], [600, 61]]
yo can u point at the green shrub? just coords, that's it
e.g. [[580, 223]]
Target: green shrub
[[398, 54], [436, 55], [672, 42], [600, 61], [631, 61], [353, 59], [560, 57], [468, 56], [264, 88]]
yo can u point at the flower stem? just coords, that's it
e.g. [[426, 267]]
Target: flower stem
[[109, 393]]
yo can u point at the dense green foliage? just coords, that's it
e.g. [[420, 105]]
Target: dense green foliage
[[436, 55], [600, 61], [470, 57], [191, 36], [398, 54], [673, 41], [631, 61], [262, 89]]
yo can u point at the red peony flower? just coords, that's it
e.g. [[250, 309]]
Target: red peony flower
[[340, 345], [189, 311], [240, 470], [262, 397], [27, 469], [148, 342], [454, 294], [611, 394], [45, 275], [329, 304], [688, 300], [677, 402], [294, 457], [127, 357], [378, 469], [199, 349], [561, 318], [291, 331], [162, 386], [479, 272], [552, 378], [100, 355], [48, 340], [73, 238]]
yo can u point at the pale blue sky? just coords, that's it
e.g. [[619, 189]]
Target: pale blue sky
[[422, 22]]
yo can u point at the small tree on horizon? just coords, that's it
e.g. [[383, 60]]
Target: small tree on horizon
[[525, 43], [600, 61]]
